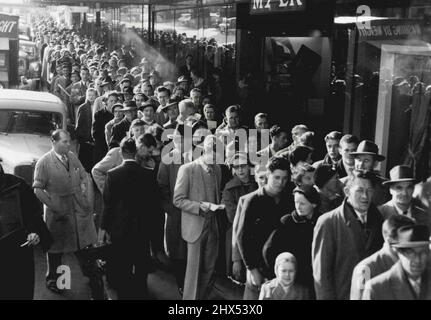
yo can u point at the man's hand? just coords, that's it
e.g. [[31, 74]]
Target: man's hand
[[256, 277], [237, 270], [103, 237], [33, 239], [204, 207]]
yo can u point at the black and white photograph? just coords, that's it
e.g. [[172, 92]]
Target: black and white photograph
[[227, 151]]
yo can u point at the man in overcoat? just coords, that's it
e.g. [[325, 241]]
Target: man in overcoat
[[345, 236], [130, 221], [410, 277], [61, 184]]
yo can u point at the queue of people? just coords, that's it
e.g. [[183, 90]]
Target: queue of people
[[213, 198]]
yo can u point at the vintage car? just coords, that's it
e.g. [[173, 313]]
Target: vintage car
[[27, 119]]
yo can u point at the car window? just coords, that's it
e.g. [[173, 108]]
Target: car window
[[29, 121]]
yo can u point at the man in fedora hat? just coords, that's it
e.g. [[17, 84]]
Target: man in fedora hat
[[401, 186], [409, 278], [119, 131], [367, 157], [382, 260]]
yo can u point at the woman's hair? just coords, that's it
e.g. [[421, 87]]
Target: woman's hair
[[310, 193], [300, 172]]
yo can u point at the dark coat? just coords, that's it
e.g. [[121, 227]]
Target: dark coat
[[84, 120], [119, 131], [261, 216], [233, 190], [133, 207], [339, 244], [101, 118], [294, 235], [394, 285], [17, 263]]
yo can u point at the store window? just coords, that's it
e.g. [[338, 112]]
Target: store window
[[386, 80]]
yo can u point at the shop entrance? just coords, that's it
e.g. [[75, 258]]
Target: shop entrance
[[402, 110]]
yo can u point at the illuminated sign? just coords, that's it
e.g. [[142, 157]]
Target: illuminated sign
[[276, 6], [8, 26]]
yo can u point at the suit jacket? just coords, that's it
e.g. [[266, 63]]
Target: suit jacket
[[188, 193], [370, 267], [132, 207], [339, 244], [394, 285], [83, 122], [419, 214]]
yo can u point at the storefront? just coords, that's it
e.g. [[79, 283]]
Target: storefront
[[8, 50], [387, 76]]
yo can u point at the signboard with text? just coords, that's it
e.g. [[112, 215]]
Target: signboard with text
[[8, 26], [391, 29], [276, 6]]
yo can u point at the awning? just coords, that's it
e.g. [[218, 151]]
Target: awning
[[4, 43], [399, 42]]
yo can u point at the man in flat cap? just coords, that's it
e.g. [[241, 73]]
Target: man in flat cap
[[119, 131], [409, 278]]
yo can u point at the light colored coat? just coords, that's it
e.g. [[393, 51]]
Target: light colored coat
[[70, 218], [272, 290], [370, 267], [393, 285], [189, 192], [338, 246], [112, 159]]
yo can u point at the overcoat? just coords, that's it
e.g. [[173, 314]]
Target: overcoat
[[69, 215]]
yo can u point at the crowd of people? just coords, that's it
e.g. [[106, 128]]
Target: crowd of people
[[185, 183]]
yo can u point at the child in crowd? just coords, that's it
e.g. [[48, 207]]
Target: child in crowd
[[284, 287]]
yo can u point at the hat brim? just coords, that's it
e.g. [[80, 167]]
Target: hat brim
[[398, 180], [166, 107], [378, 157], [128, 109], [411, 244]]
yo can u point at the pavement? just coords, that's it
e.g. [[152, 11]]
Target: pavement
[[161, 284]]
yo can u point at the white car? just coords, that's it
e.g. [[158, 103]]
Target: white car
[[27, 119]]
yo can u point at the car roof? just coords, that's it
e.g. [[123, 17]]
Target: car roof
[[30, 100]]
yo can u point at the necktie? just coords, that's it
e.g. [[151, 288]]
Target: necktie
[[65, 161], [405, 213], [416, 287]]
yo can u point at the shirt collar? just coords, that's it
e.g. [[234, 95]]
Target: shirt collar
[[399, 211], [59, 156], [361, 216]]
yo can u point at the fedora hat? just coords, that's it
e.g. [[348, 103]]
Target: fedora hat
[[400, 174], [412, 236], [368, 147], [129, 106]]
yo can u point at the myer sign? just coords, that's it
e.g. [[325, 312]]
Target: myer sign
[[276, 6]]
